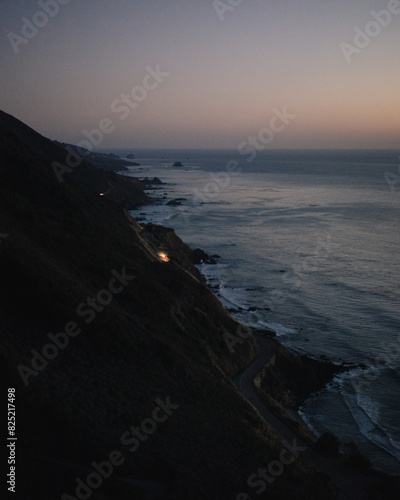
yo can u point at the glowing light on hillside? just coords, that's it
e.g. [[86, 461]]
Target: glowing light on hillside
[[111, 188], [163, 256]]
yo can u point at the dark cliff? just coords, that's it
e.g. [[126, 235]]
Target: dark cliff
[[132, 330]]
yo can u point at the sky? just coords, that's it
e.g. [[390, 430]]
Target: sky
[[203, 74]]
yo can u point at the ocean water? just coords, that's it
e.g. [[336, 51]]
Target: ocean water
[[309, 243]]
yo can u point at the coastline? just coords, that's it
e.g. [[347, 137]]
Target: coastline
[[161, 339], [325, 369], [285, 402]]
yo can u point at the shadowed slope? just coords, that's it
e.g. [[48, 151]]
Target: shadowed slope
[[160, 336]]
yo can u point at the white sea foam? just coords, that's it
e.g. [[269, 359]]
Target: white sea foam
[[280, 330], [366, 413], [234, 296], [352, 373], [307, 421], [211, 271]]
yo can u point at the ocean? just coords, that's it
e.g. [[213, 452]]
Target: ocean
[[308, 244]]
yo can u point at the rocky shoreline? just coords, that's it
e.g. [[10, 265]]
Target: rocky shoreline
[[160, 337], [291, 379], [305, 375], [285, 383]]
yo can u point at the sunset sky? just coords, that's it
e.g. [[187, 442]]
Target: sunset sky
[[227, 71]]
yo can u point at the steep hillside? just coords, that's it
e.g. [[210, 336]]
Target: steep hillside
[[129, 334]]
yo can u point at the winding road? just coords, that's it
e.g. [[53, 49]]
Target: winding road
[[350, 483]]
